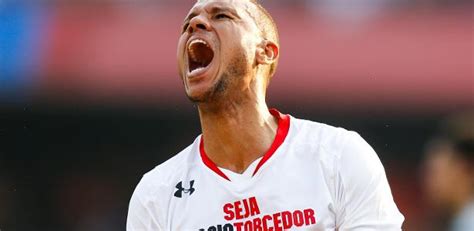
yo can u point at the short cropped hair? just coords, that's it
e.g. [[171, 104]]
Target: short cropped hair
[[268, 27]]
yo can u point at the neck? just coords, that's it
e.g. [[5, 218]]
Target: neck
[[237, 134]]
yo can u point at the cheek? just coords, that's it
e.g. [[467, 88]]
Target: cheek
[[231, 36], [249, 44], [237, 45], [238, 49]]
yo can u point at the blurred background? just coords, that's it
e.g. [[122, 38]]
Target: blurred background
[[90, 98]]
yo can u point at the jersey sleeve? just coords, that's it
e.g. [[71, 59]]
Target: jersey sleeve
[[142, 211], [364, 199]]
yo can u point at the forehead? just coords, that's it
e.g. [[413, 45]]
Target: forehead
[[240, 6]]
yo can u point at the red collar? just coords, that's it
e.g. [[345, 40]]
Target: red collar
[[282, 132]]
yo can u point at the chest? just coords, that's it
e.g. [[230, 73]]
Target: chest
[[280, 198]]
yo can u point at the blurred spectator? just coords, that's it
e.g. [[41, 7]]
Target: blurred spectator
[[449, 174]]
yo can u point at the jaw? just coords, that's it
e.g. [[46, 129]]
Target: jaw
[[200, 67]]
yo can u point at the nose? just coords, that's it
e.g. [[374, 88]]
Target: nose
[[198, 23]]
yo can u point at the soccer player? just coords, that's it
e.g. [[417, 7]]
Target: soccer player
[[256, 169]]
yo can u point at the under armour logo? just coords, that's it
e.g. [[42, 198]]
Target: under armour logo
[[181, 190]]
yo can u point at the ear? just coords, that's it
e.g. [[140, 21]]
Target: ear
[[267, 52]]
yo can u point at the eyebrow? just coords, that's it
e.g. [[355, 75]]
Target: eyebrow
[[213, 10], [216, 9]]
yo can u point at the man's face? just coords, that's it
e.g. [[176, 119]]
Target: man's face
[[442, 174], [216, 50]]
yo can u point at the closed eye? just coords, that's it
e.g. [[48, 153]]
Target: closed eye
[[222, 16]]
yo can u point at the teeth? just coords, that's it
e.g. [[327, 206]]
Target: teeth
[[197, 41], [196, 70]]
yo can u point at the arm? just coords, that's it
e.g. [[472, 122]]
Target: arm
[[364, 198], [142, 211]]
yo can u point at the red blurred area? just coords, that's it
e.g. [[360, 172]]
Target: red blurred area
[[417, 58]]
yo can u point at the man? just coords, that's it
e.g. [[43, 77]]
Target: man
[[449, 174], [252, 168]]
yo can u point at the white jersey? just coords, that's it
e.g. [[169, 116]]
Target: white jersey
[[313, 177]]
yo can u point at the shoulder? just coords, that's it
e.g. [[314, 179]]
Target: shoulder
[[354, 174], [327, 138], [464, 221], [345, 151], [336, 149]]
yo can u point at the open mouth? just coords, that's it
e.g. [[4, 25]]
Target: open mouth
[[200, 55]]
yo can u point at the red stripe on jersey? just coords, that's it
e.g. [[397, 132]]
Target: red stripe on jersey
[[283, 128], [208, 162], [282, 132]]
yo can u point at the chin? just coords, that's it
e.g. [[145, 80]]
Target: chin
[[208, 94], [198, 96], [195, 99]]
